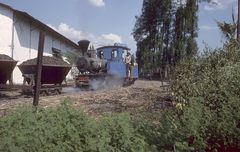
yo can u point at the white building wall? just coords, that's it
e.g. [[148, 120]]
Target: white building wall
[[6, 23], [26, 37], [48, 45], [33, 38]]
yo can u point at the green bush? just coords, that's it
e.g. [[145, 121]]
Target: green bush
[[118, 134], [207, 88], [66, 129], [211, 83]]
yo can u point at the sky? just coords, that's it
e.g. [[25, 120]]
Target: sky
[[105, 22]]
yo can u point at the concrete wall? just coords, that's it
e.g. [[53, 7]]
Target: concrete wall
[[25, 38]]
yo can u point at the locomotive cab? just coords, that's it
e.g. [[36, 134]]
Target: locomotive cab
[[115, 60]]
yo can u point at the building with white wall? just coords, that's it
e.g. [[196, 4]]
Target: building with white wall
[[19, 36]]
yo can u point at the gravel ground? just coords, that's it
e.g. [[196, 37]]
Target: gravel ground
[[143, 94]]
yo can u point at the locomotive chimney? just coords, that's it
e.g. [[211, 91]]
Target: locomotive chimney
[[83, 44]]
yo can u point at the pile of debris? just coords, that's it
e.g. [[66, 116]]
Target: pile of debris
[[4, 57], [47, 60], [143, 95]]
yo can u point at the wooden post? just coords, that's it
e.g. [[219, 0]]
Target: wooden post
[[238, 22], [37, 86]]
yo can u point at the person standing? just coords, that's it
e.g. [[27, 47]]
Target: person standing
[[128, 58]]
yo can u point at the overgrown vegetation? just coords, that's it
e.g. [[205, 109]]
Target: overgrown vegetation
[[66, 129], [205, 87], [207, 116], [211, 82]]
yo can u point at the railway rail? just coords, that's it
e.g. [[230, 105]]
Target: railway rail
[[29, 90]]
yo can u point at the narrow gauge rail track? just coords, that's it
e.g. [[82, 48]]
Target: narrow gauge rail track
[[29, 90]]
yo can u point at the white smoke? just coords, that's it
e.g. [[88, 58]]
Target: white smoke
[[107, 82]]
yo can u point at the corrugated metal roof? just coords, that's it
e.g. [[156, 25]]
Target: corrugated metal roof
[[42, 26]]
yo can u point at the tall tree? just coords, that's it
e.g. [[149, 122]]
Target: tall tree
[[165, 32]]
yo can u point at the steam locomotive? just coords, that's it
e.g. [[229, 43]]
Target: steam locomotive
[[104, 66]]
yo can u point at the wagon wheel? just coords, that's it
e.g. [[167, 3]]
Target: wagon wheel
[[44, 93], [59, 91], [55, 92]]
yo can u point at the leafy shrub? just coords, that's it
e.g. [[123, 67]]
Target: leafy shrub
[[207, 88], [183, 131], [211, 82], [66, 129], [119, 134]]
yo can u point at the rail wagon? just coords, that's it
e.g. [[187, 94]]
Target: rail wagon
[[53, 75]]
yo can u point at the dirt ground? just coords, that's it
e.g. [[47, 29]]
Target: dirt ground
[[149, 95]]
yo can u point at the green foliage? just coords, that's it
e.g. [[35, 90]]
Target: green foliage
[[183, 130], [119, 135], [214, 80], [152, 33], [66, 129], [148, 125], [228, 30], [208, 118], [167, 31]]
